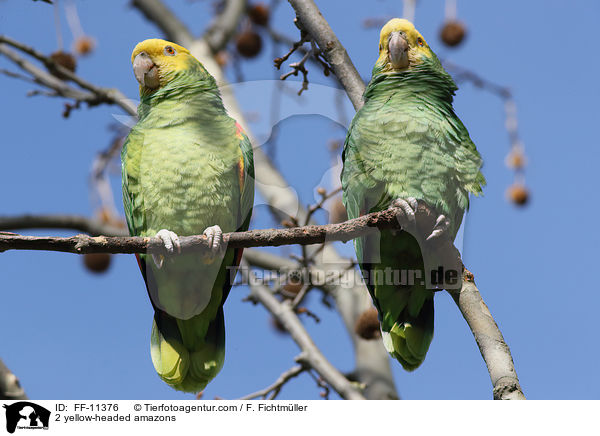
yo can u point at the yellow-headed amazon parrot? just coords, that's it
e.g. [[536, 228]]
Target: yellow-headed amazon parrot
[[187, 169], [405, 146]]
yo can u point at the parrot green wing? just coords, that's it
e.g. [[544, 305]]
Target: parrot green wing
[[246, 166], [132, 201]]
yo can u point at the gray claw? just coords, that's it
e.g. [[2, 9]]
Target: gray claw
[[214, 235], [442, 224], [413, 203], [171, 241], [408, 206]]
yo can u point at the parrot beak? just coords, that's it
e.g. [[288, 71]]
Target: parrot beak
[[146, 72], [398, 50]]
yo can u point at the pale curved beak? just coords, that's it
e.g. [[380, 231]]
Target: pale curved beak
[[398, 50], [145, 71]]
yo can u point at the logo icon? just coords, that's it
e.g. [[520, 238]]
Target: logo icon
[[26, 415]]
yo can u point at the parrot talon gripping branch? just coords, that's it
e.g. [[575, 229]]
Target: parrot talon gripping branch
[[171, 241], [409, 208], [214, 236]]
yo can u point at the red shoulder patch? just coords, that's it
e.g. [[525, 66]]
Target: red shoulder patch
[[239, 131]]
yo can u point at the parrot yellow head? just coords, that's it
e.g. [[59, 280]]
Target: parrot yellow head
[[156, 62], [401, 46]]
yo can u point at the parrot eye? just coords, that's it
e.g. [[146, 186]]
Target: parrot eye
[[170, 51], [420, 41]]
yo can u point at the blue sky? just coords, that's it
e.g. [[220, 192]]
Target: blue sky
[[69, 334]]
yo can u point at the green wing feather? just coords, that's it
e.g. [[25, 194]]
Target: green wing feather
[[247, 166]]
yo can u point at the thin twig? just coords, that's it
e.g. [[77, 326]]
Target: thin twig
[[298, 67], [275, 388], [295, 46], [312, 21], [321, 383], [87, 92], [324, 197]]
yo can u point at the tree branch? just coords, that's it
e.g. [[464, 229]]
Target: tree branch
[[307, 235], [173, 28], [311, 20], [494, 350], [75, 222], [89, 93], [10, 387], [311, 355], [224, 26]]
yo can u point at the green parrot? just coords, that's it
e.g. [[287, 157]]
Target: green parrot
[[187, 169], [404, 146]]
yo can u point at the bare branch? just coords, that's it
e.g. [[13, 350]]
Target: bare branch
[[311, 20], [275, 388], [311, 355], [225, 24], [75, 222], [44, 78], [494, 350], [297, 45], [158, 13], [312, 234], [298, 67], [87, 92], [10, 387]]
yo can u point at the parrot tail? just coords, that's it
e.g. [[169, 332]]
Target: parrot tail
[[410, 335], [187, 354], [404, 303]]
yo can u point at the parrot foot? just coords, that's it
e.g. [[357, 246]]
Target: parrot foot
[[408, 208], [442, 224], [171, 241], [214, 235]]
